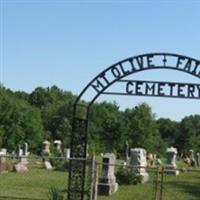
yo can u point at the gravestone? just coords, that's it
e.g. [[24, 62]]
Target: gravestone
[[46, 148], [107, 184], [139, 162], [47, 165], [20, 168], [171, 167], [198, 159], [193, 161], [57, 144], [3, 153], [19, 151], [67, 153], [3, 164], [25, 154], [22, 153]]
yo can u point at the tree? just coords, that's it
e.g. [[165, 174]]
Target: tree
[[190, 133], [19, 122], [105, 132], [169, 131], [56, 107], [141, 128]]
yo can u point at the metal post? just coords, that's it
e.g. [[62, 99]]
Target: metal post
[[92, 179], [161, 184], [156, 183]]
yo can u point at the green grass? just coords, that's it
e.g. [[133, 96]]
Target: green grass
[[32, 185], [35, 185], [186, 186]]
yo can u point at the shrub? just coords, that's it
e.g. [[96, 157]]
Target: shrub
[[127, 176], [56, 159]]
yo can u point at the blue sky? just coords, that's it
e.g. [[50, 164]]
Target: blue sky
[[67, 43]]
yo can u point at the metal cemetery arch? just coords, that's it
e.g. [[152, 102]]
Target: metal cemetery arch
[[115, 74]]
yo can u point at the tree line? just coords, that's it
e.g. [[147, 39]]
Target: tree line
[[46, 114]]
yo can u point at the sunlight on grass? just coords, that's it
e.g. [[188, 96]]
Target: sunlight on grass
[[35, 185]]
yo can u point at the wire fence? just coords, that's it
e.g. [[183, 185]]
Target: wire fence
[[184, 186]]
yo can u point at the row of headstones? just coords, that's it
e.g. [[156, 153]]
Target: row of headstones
[[21, 165], [46, 152], [57, 143], [107, 182], [23, 153]]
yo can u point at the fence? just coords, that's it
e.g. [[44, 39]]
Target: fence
[[184, 186], [37, 183], [130, 187]]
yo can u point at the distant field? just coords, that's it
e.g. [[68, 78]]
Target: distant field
[[35, 185]]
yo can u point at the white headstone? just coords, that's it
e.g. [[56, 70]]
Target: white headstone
[[58, 144], [170, 167], [25, 154], [139, 162], [47, 165], [20, 152], [67, 153], [3, 153]]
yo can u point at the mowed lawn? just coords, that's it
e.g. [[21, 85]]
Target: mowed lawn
[[32, 185], [35, 185], [186, 186]]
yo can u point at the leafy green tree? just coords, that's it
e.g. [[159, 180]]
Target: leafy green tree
[[141, 128], [190, 133], [19, 122], [105, 132], [56, 108], [169, 131]]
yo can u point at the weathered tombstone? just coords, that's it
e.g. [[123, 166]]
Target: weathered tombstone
[[26, 149], [46, 148], [198, 159], [47, 165], [23, 157], [57, 144], [3, 164], [3, 155], [170, 167], [107, 184], [20, 168], [139, 162], [67, 153], [19, 151], [193, 161]]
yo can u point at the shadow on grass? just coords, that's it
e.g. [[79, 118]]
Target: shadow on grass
[[191, 189], [17, 198]]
